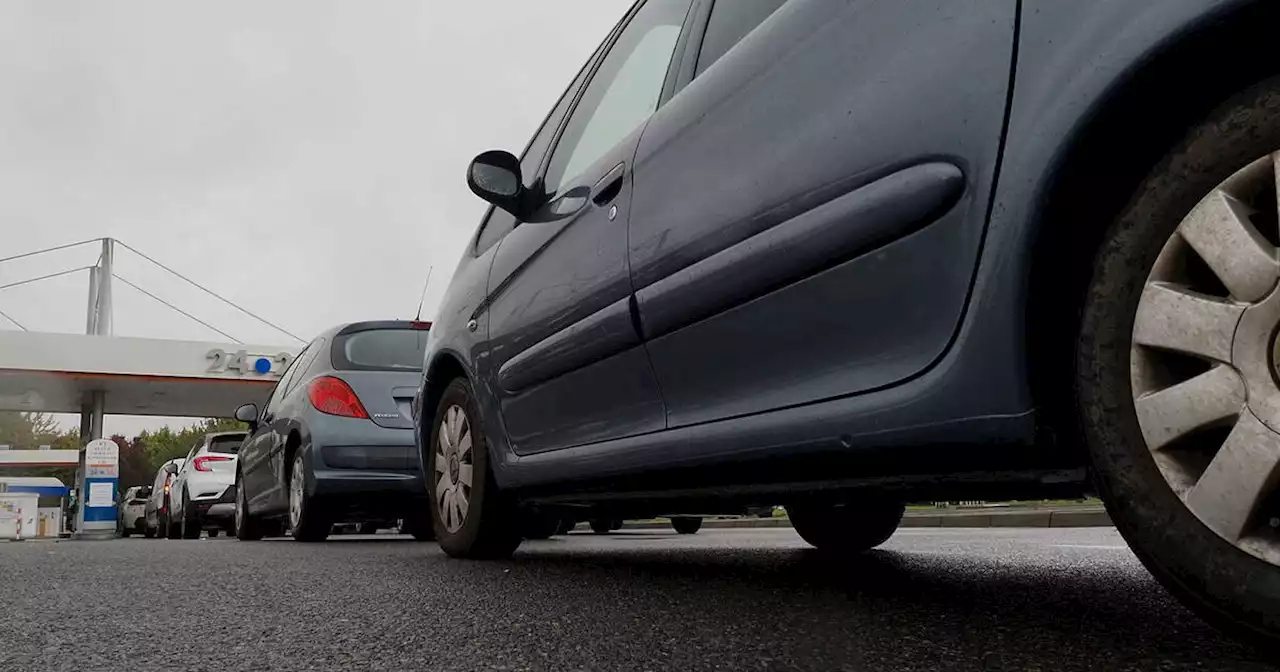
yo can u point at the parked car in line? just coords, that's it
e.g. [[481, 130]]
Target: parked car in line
[[840, 256], [158, 518], [203, 493], [335, 443], [133, 510]]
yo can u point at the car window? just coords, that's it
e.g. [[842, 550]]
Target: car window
[[498, 222], [730, 21], [229, 444], [304, 364], [623, 93], [282, 385], [380, 350]]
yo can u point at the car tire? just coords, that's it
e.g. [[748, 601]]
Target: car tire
[[847, 528], [601, 526], [213, 533], [1154, 470], [537, 526], [686, 524], [148, 532], [307, 522], [368, 528], [420, 527], [124, 532], [247, 526], [171, 529], [190, 525], [472, 518]]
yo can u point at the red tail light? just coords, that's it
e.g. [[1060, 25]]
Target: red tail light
[[333, 396], [202, 463]]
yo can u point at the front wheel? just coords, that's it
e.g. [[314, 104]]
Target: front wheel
[[686, 524], [471, 516], [306, 521], [846, 528], [1177, 391]]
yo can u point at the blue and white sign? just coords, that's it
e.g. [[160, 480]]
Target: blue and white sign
[[101, 478]]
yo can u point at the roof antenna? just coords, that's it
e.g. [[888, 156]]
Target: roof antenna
[[423, 298]]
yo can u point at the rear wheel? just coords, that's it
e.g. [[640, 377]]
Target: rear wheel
[[846, 528], [1178, 393], [247, 527], [306, 521], [190, 524], [419, 526], [172, 530], [213, 533], [471, 516], [686, 524], [601, 525], [540, 526]]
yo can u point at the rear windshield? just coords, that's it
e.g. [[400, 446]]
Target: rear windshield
[[226, 444], [380, 350]]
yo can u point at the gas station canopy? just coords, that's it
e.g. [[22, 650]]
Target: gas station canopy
[[58, 373]]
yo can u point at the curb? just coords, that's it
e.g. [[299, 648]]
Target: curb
[[1091, 517], [1085, 517]]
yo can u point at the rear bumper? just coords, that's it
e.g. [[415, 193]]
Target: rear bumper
[[373, 479], [221, 508]]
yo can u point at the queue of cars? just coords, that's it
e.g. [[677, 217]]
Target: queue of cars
[[740, 263]]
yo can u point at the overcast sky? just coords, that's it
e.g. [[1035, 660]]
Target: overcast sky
[[304, 159]]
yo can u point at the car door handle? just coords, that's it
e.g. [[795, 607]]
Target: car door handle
[[609, 186]]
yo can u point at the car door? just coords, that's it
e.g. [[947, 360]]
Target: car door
[[565, 360], [179, 484], [809, 208], [258, 449]]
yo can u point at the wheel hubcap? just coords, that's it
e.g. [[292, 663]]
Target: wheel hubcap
[[239, 508], [1204, 356], [453, 468], [296, 488]]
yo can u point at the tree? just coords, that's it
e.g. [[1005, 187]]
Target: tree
[[135, 464], [27, 430]]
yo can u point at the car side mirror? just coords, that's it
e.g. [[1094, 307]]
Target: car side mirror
[[248, 413], [495, 177], [170, 469]]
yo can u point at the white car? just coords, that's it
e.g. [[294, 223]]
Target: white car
[[203, 496], [133, 510], [157, 513]]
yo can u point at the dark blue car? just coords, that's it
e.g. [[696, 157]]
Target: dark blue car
[[840, 256]]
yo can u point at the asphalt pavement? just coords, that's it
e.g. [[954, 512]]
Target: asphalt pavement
[[754, 599]]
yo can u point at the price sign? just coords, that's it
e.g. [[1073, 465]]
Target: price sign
[[244, 363]]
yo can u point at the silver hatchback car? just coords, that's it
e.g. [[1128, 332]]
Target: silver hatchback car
[[335, 441]]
